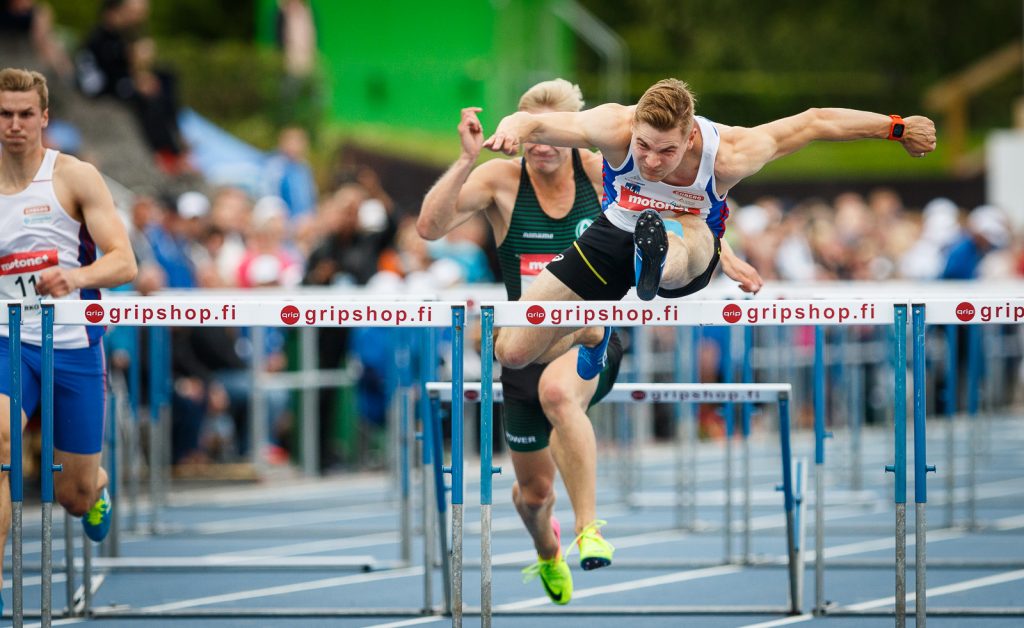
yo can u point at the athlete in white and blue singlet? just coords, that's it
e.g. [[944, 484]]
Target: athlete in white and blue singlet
[[56, 213], [663, 167]]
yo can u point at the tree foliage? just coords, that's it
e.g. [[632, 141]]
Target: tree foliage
[[750, 61]]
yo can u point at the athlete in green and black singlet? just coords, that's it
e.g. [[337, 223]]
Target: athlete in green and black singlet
[[534, 238]]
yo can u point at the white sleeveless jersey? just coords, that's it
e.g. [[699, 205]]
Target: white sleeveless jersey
[[36, 233], [627, 193]]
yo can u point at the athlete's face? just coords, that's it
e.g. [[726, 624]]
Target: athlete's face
[[22, 121], [542, 158], [658, 153]]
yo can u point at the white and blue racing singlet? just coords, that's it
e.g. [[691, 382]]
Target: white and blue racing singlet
[[626, 193], [36, 233]]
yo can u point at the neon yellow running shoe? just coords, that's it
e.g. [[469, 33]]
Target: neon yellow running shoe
[[96, 522], [595, 551], [553, 572]]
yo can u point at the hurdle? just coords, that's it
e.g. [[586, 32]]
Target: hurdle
[[158, 313], [631, 314]]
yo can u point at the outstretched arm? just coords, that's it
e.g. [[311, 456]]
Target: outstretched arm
[[751, 149], [461, 191], [606, 127]]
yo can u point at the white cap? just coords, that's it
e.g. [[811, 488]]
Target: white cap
[[267, 208], [193, 205], [990, 222], [752, 220]]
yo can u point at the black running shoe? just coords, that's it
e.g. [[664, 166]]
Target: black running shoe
[[650, 246]]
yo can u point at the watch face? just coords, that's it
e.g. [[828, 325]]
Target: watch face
[[897, 130]]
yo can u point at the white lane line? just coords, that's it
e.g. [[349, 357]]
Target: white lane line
[[286, 519], [630, 585], [313, 547], [947, 589], [298, 587]]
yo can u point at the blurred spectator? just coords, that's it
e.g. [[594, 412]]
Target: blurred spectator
[[104, 64], [230, 215], [465, 246], [155, 98], [940, 226], [987, 229], [268, 262], [346, 254], [288, 174], [296, 36], [32, 22], [169, 238]]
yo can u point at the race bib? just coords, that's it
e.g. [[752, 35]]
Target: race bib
[[19, 273], [531, 265]]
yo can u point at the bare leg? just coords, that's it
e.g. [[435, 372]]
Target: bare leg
[[5, 483], [533, 494], [689, 256], [516, 347], [564, 397], [78, 486]]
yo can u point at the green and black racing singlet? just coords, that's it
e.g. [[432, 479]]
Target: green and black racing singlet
[[534, 238]]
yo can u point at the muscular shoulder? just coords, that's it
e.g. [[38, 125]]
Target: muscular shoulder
[[73, 172], [738, 146], [498, 175]]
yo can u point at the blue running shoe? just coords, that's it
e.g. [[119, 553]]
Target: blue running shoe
[[650, 246], [96, 522], [592, 360]]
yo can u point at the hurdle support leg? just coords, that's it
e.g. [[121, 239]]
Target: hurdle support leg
[[14, 469], [899, 468], [820, 434], [458, 453], [921, 469], [787, 491]]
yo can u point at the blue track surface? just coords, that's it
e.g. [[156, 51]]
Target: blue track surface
[[657, 563]]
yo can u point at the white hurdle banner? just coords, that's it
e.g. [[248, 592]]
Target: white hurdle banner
[[973, 311], [674, 313], [645, 393], [234, 313]]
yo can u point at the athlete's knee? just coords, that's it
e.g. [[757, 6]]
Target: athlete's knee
[[557, 398], [511, 352], [536, 493], [76, 498]]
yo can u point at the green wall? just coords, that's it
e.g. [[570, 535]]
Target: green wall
[[414, 64]]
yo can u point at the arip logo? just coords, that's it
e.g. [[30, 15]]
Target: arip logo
[[638, 395], [471, 395], [535, 314], [94, 312], [732, 313], [289, 315], [965, 311]]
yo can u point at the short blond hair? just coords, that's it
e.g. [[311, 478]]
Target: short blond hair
[[16, 80], [557, 94], [666, 105]]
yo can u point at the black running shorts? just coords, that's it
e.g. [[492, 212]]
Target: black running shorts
[[599, 265], [525, 425]]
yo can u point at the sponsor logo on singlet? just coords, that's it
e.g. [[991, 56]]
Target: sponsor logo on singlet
[[37, 215], [632, 201], [582, 226], [689, 195], [538, 235], [28, 262]]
